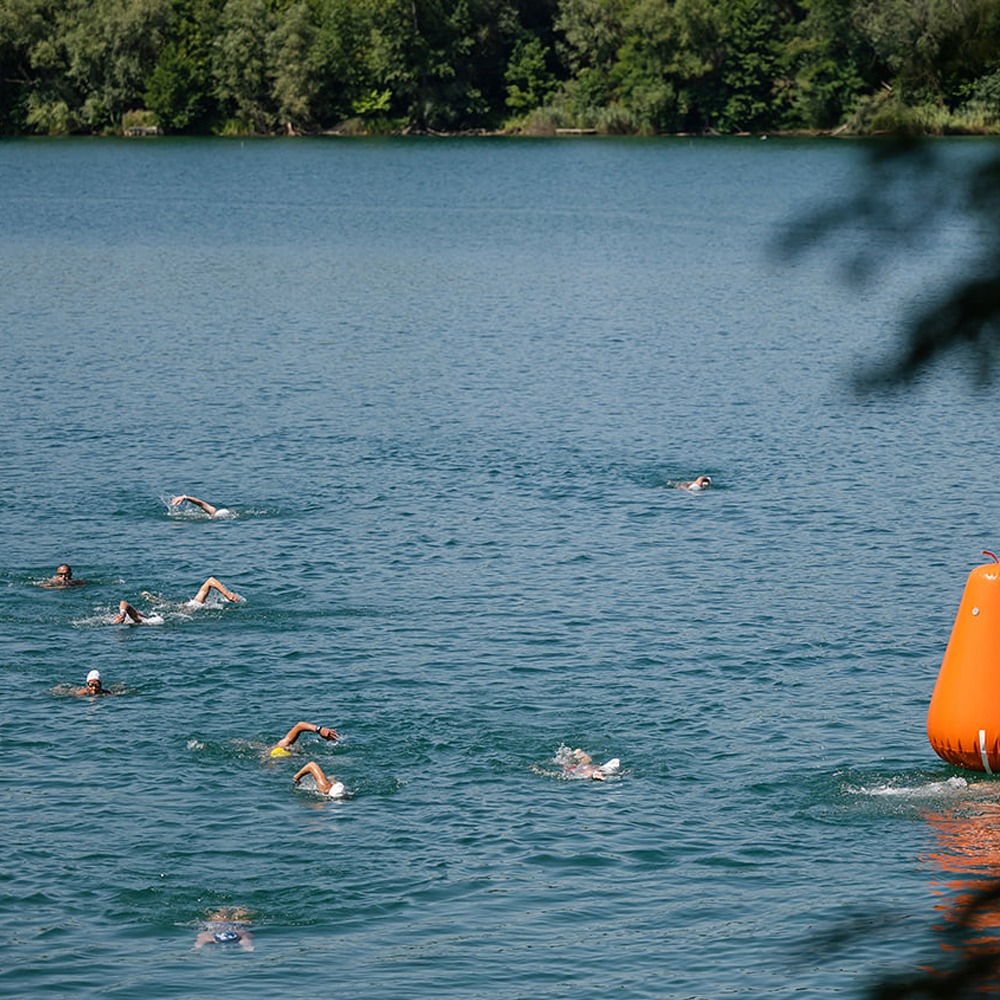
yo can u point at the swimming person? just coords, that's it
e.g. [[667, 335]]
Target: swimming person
[[696, 485], [332, 789], [126, 611], [226, 926], [93, 685], [206, 507], [281, 748], [578, 764], [63, 579], [212, 584]]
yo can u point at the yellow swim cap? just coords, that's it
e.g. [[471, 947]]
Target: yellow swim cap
[[280, 752]]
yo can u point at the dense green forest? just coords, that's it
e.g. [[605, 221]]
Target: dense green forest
[[613, 66]]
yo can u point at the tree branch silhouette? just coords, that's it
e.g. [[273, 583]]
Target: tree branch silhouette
[[910, 190]]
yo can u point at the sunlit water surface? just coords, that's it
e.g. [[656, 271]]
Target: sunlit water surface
[[443, 386]]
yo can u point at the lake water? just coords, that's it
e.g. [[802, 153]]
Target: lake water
[[442, 386]]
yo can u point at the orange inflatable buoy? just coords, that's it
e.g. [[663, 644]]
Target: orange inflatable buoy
[[963, 721]]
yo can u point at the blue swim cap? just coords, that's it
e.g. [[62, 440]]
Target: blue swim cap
[[226, 937]]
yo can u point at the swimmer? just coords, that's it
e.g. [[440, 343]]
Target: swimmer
[[332, 789], [93, 685], [281, 748], [578, 764], [63, 579], [226, 926], [212, 584], [696, 485], [126, 611], [206, 507]]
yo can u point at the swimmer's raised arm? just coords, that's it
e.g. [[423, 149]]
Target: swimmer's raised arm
[[206, 507], [334, 788], [212, 584], [696, 485], [305, 727], [125, 610]]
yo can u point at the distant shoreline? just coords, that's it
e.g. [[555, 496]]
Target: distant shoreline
[[354, 130]]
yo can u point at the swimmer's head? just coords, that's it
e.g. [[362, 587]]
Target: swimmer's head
[[94, 675], [226, 937], [280, 752], [230, 914], [706, 480], [63, 571]]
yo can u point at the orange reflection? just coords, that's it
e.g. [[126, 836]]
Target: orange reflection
[[967, 854]]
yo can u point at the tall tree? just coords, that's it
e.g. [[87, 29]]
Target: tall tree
[[32, 67], [179, 88], [295, 56], [592, 32], [830, 64], [913, 40], [77, 65], [240, 68], [752, 73], [111, 46], [670, 63], [530, 81]]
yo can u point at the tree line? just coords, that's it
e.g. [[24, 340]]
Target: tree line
[[612, 66]]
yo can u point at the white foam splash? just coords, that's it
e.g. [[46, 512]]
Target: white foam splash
[[930, 789]]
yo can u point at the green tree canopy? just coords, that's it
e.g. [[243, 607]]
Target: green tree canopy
[[615, 65]]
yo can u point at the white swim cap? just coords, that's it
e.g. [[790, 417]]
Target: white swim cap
[[94, 675], [337, 790]]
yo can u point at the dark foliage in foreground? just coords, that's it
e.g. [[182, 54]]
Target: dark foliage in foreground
[[974, 966], [909, 190]]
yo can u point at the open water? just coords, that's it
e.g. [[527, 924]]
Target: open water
[[442, 387]]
